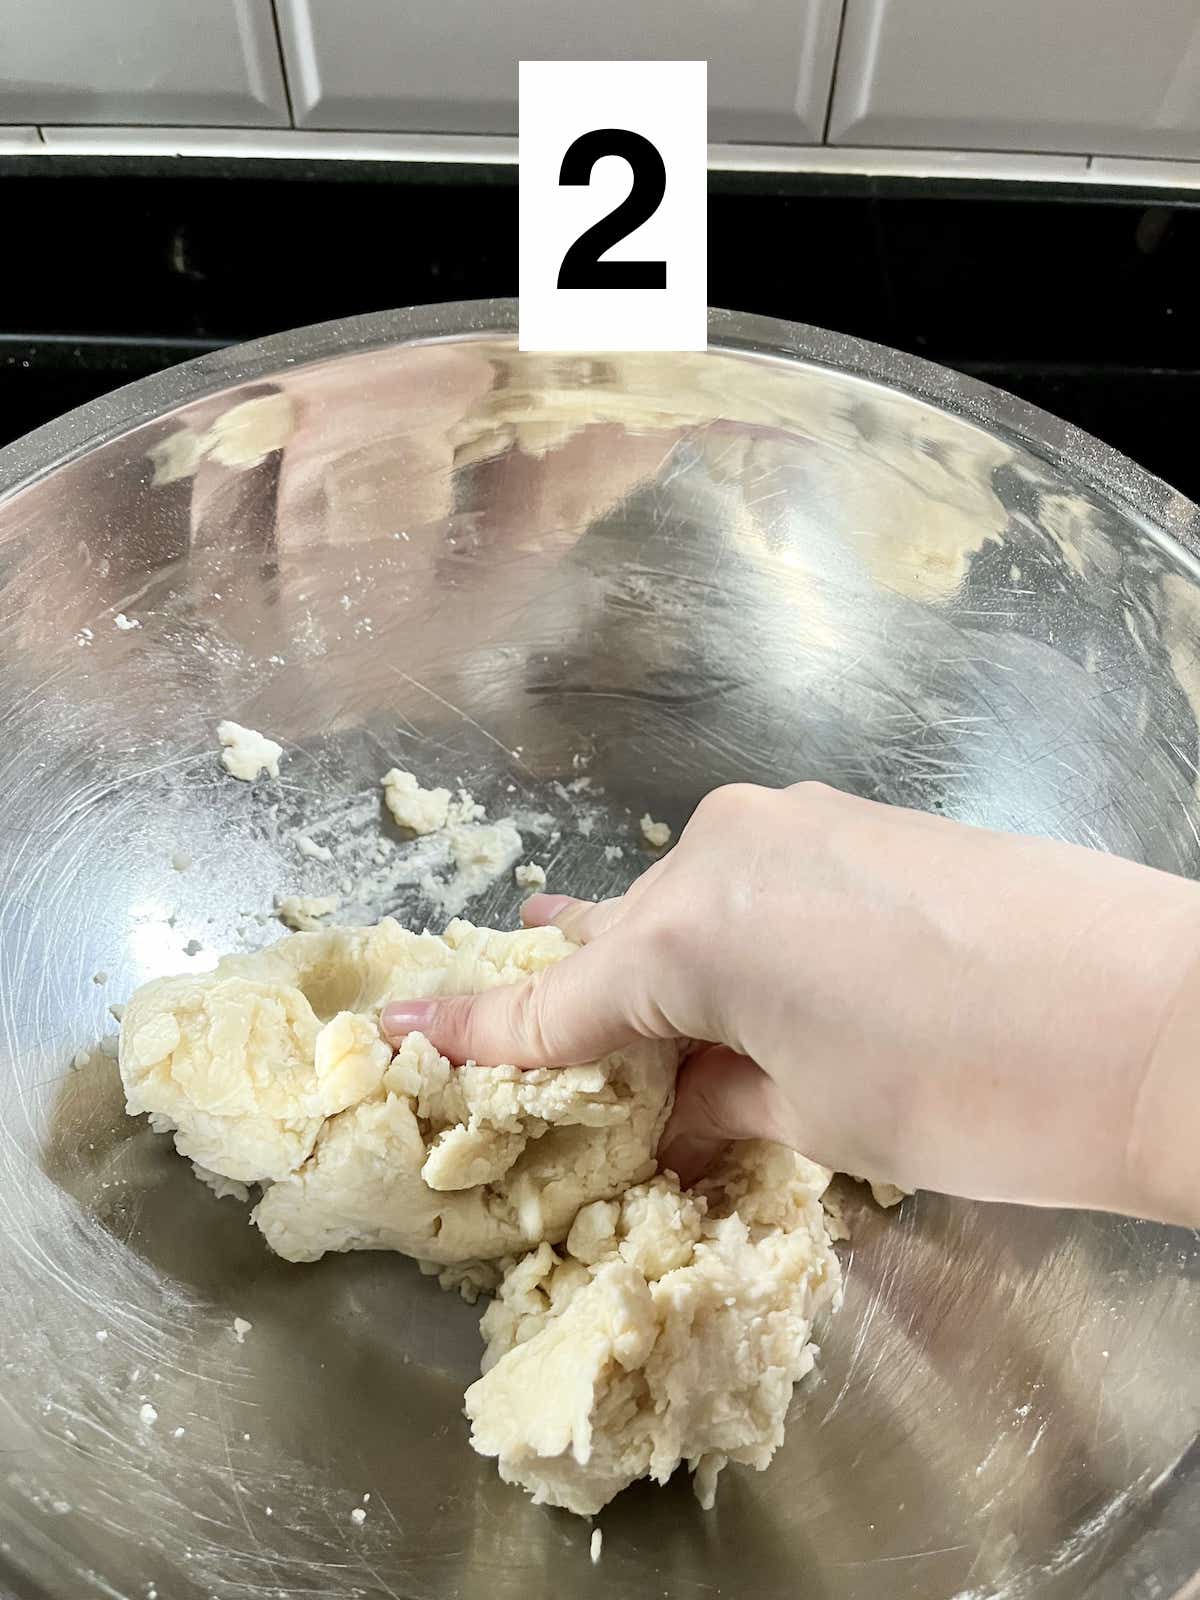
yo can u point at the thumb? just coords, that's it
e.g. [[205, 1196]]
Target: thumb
[[570, 1013], [719, 1096]]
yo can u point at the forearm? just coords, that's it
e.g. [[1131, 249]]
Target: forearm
[[1163, 1141], [1081, 1089]]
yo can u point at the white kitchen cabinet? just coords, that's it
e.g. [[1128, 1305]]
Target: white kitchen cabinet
[[174, 62], [433, 66], [1092, 76]]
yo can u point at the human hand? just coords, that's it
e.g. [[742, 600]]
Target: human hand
[[894, 994]]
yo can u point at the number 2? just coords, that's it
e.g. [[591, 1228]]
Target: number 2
[[582, 267]]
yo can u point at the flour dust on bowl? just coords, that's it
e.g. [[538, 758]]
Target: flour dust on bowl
[[585, 590]]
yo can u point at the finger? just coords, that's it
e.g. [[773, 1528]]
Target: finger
[[719, 1096], [570, 1013], [541, 909], [580, 920]]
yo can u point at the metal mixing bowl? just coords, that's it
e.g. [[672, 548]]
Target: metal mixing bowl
[[795, 556]]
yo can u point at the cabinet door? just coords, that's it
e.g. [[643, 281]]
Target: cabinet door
[[429, 66], [1089, 76], [175, 62]]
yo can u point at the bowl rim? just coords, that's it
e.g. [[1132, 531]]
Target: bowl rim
[[1149, 501]]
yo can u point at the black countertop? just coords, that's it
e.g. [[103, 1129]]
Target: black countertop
[[1082, 301]]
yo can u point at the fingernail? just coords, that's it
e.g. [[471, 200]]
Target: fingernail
[[406, 1016]]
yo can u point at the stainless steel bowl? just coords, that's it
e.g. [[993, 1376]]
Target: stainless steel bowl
[[794, 556]]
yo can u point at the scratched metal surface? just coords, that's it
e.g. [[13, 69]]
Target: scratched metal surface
[[795, 556]]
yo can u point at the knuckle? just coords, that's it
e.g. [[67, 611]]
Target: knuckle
[[824, 819], [579, 921], [727, 1097], [666, 941], [455, 1028], [731, 800], [707, 1106], [528, 1021], [813, 795]]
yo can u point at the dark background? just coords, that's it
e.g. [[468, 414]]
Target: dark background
[[1082, 301]]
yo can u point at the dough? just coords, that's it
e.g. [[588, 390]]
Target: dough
[[670, 1328], [667, 1327], [529, 875], [656, 834], [885, 1194], [272, 1068], [242, 1069], [479, 854], [426, 810], [246, 753], [304, 911], [422, 810]]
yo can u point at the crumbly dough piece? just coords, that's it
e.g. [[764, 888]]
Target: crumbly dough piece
[[422, 810], [529, 875], [885, 1194], [479, 854], [656, 834], [246, 753], [305, 911], [672, 1327], [271, 1068], [223, 1188], [426, 810]]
